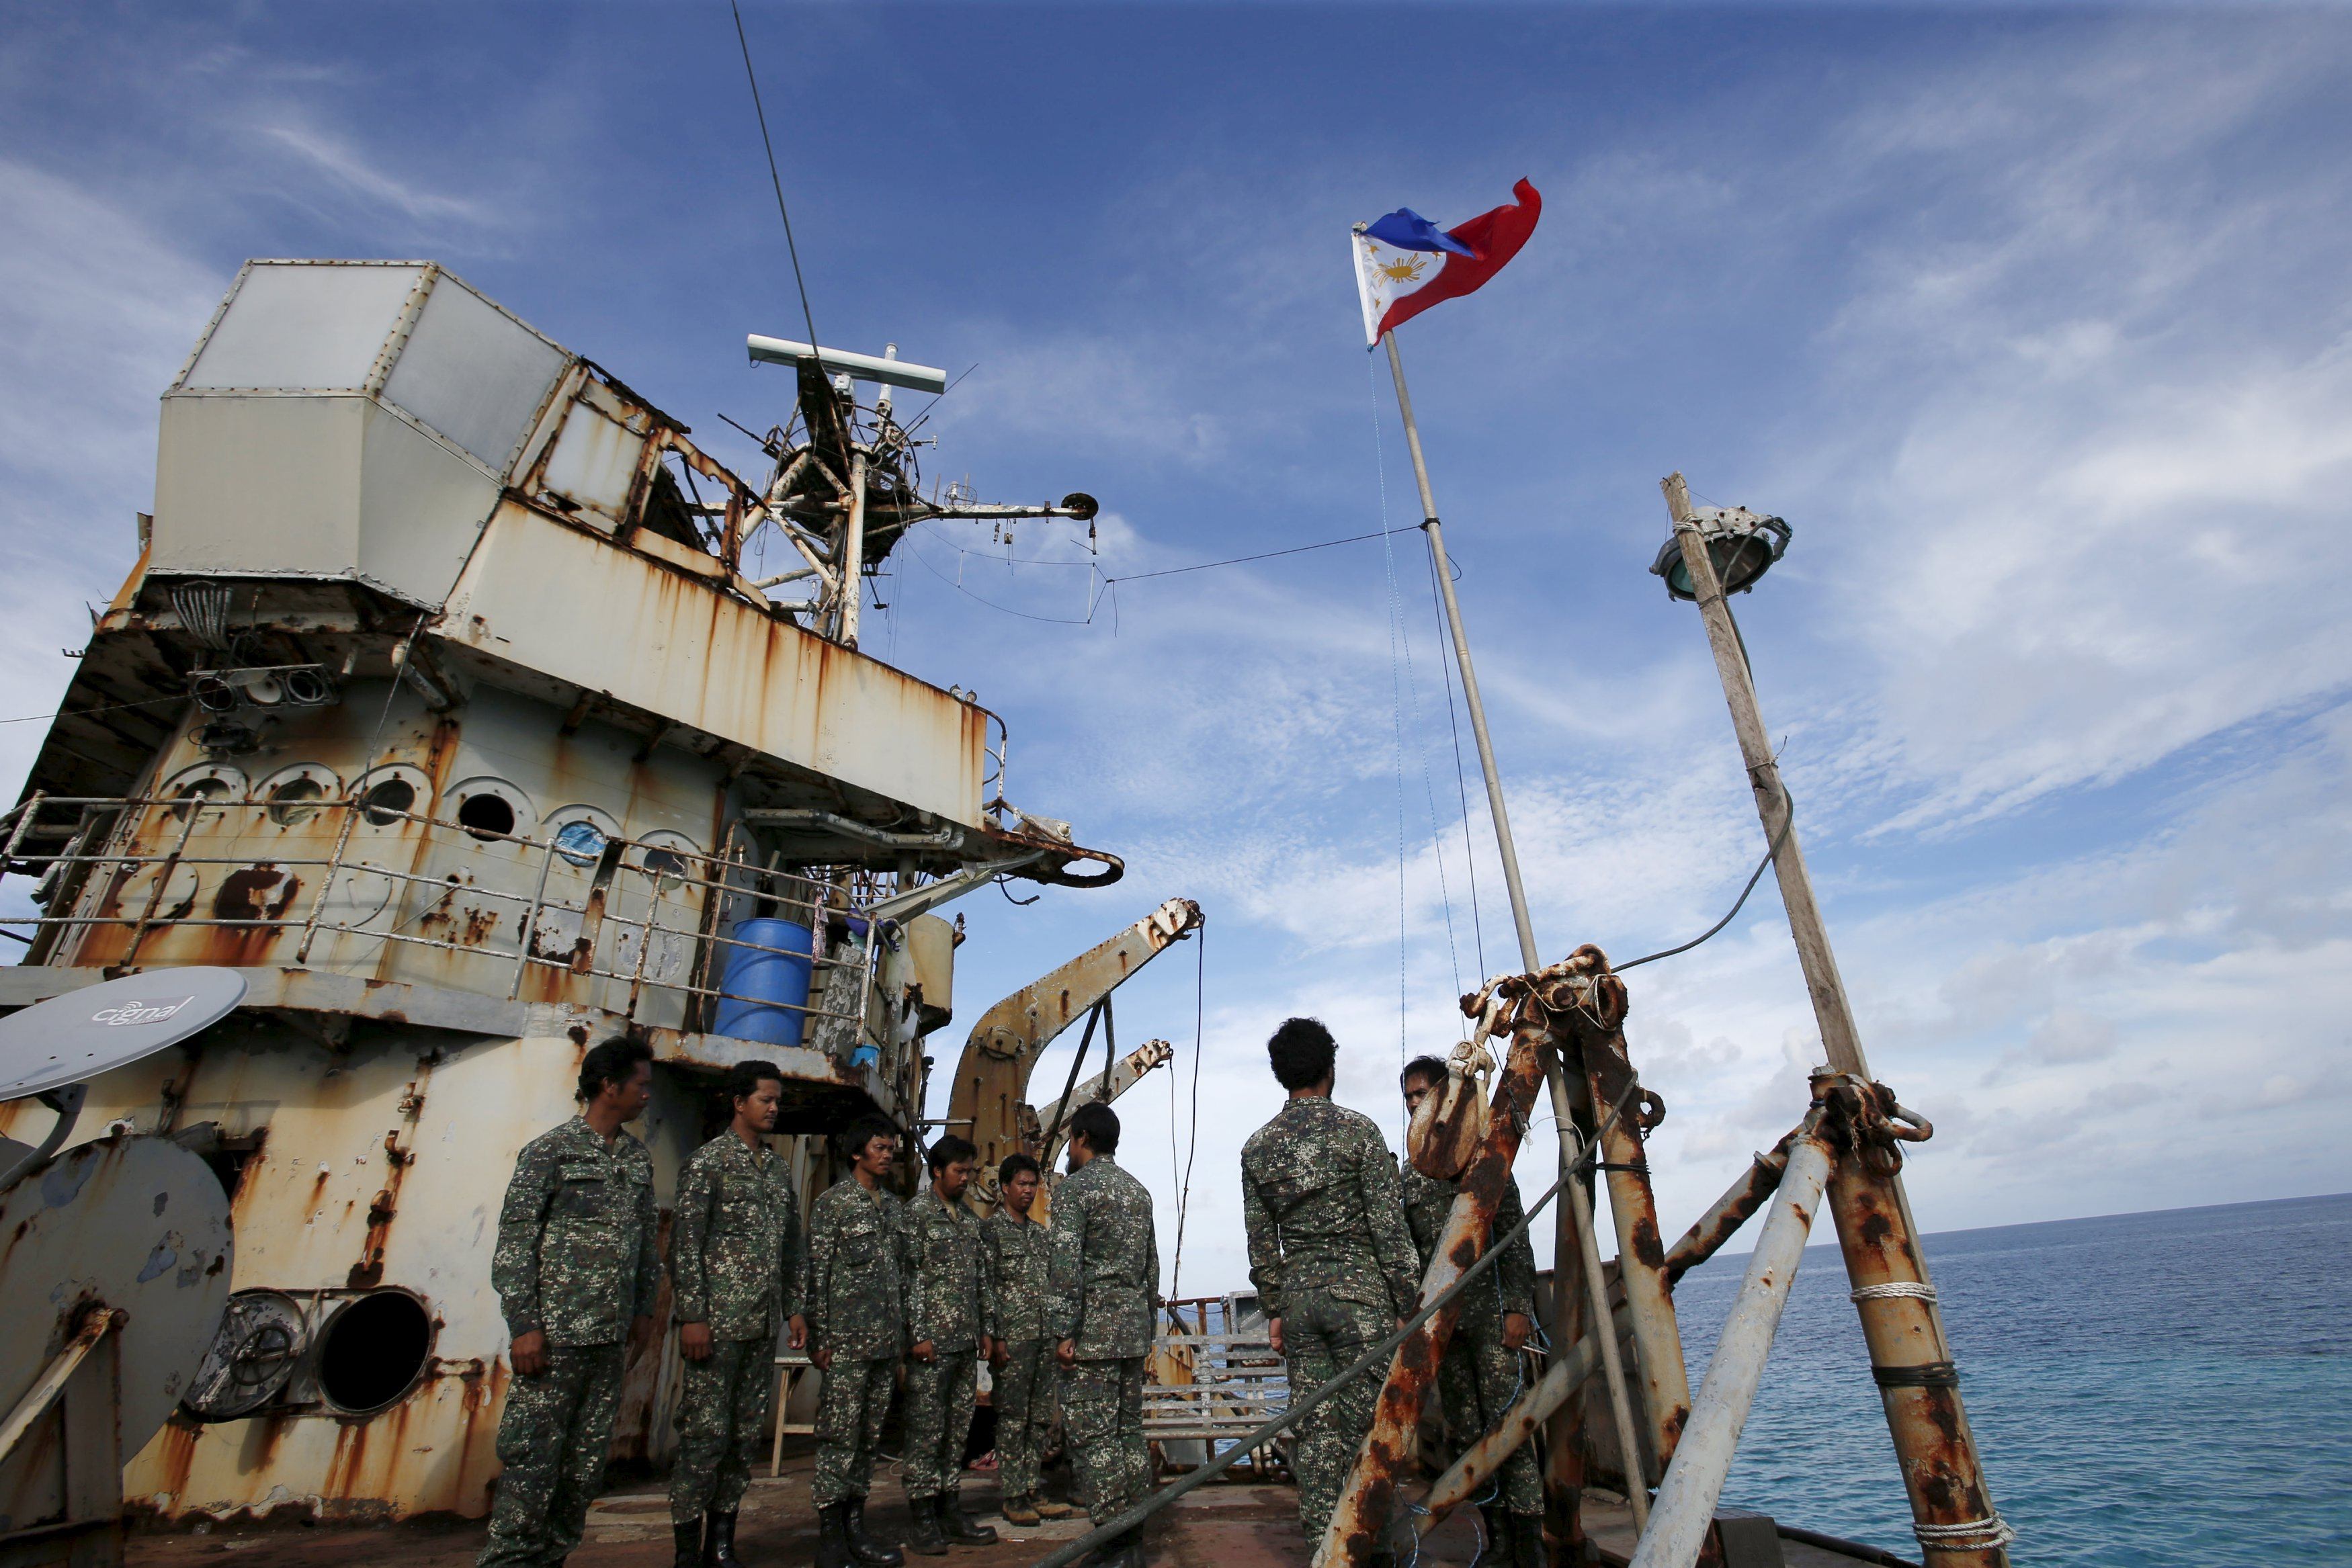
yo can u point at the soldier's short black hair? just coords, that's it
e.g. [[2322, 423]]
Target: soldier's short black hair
[[1014, 1166], [863, 1131], [1100, 1122], [613, 1061], [1302, 1051], [1430, 1070], [744, 1079], [948, 1148]]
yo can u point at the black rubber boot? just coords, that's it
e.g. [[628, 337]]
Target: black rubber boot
[[687, 1542], [869, 1551], [1122, 1551], [957, 1528], [923, 1527], [832, 1537], [718, 1539], [1525, 1531], [1496, 1553]]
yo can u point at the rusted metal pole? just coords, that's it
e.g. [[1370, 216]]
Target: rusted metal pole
[[1566, 1462], [1641, 1250], [1707, 1236], [1694, 1483], [1563, 1454], [1470, 699], [1571, 1369], [1951, 1507], [1361, 1517], [1637, 1495]]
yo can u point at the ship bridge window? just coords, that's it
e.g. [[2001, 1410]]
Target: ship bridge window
[[372, 1352]]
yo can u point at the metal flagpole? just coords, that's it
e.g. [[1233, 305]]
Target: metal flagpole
[[1437, 532], [1576, 1207]]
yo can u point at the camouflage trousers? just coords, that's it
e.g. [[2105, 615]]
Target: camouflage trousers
[[722, 1414], [1024, 1402], [1322, 1335], [1102, 1423], [552, 1441], [849, 1415], [1476, 1382], [940, 1393]]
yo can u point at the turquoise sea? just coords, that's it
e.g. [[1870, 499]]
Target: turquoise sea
[[2147, 1389]]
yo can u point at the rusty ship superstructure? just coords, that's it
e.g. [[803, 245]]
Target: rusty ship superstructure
[[439, 706]]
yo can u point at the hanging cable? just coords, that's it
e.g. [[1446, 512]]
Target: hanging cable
[[777, 181], [1788, 804], [1193, 1143]]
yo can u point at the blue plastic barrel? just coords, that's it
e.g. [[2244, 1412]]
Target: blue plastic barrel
[[774, 986]]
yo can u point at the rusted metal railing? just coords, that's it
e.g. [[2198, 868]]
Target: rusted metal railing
[[86, 880]]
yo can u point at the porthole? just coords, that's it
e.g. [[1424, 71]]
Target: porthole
[[668, 859], [388, 799], [206, 783], [389, 796], [295, 801], [373, 1351], [491, 810], [487, 817], [580, 834], [298, 795]]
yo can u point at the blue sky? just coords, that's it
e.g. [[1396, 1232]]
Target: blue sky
[[2032, 322]]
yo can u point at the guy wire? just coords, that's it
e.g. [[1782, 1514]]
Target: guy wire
[[777, 181]]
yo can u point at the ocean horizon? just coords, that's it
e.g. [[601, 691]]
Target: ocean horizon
[[2170, 1387]]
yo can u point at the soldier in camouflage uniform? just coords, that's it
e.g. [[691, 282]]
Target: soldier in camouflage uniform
[[954, 1329], [575, 1269], [852, 1292], [1481, 1373], [1330, 1254], [1100, 1309], [1020, 1261], [735, 1246]]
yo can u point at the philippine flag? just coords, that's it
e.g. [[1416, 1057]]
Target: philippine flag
[[1405, 264]]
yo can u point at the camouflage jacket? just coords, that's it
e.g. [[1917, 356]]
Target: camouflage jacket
[[954, 1300], [735, 1244], [855, 1276], [1321, 1207], [576, 1256], [1020, 1267], [1105, 1276], [1509, 1286]]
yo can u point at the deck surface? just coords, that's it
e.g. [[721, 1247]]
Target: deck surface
[[1220, 1525]]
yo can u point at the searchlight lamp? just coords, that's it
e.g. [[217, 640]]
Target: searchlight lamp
[[1742, 544]]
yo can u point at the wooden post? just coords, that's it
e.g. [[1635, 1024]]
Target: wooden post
[[1951, 1509]]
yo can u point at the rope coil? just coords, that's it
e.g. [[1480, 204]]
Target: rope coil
[[1910, 1289], [1976, 1533]]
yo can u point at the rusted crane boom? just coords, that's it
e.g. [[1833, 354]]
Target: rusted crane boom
[[992, 1078]]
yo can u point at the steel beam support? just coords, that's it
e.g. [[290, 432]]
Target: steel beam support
[[1358, 1523], [1571, 1369], [1641, 1250], [1694, 1483], [1952, 1506]]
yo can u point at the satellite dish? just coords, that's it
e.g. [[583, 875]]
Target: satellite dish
[[73, 1038], [138, 1224]]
